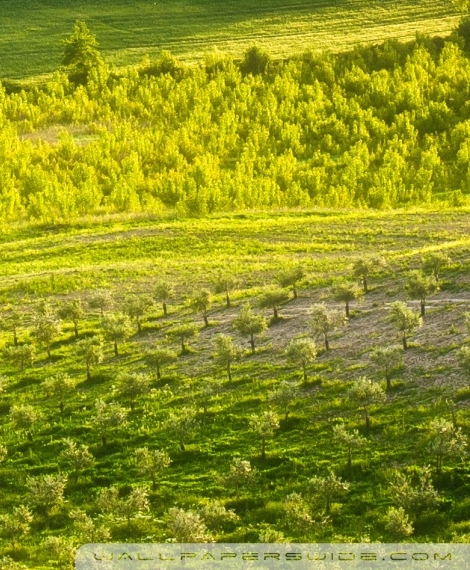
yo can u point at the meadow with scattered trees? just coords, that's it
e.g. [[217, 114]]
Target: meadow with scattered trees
[[285, 376]]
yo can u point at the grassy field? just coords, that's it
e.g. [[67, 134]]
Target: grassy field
[[127, 31], [130, 255]]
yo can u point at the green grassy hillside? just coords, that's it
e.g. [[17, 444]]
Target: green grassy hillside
[[31, 31], [56, 265]]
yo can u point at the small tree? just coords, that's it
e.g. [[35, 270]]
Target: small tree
[[116, 328], [397, 523], [389, 361], [225, 283], [256, 61], [135, 505], [46, 330], [264, 426], [101, 300], [21, 356], [446, 441], [46, 491], [420, 286], [16, 524], [346, 293], [302, 351], [272, 298], [90, 351], [291, 277], [364, 267], [81, 55], [3, 452], [414, 498], [72, 311], [11, 322], [87, 529], [108, 416], [405, 320], [160, 357], [324, 321], [298, 518], [348, 439], [151, 462], [328, 487], [182, 425], [200, 301], [163, 293], [132, 385], [184, 332], [60, 549], [137, 306], [186, 526], [59, 386], [284, 395], [249, 324], [241, 474], [432, 264], [216, 516], [226, 353], [365, 393], [77, 458], [24, 417]]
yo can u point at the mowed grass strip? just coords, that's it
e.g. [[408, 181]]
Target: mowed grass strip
[[127, 31]]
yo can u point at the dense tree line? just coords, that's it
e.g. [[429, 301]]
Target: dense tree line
[[378, 127]]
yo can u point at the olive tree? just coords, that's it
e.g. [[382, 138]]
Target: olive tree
[[21, 356], [328, 488], [264, 426], [200, 301], [397, 523], [11, 322], [225, 283], [116, 328], [46, 329], [72, 311], [184, 332], [240, 475], [348, 439], [24, 417], [101, 300], [136, 307], [346, 293], [226, 353], [364, 267], [107, 416], [182, 424], [163, 293], [216, 516], [78, 458], [420, 286], [446, 441], [324, 321], [389, 361], [464, 358], [415, 494], [132, 385], [136, 504], [90, 351], [46, 491], [160, 357], [284, 395], [15, 524], [87, 529], [433, 263], [186, 526], [151, 462], [302, 351], [290, 278], [366, 393], [248, 324], [405, 320], [272, 298], [59, 386]]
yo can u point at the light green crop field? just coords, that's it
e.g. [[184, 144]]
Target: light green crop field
[[127, 31]]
